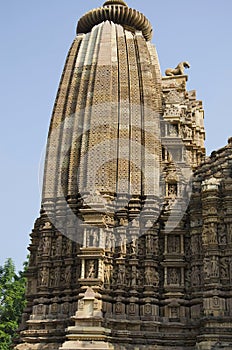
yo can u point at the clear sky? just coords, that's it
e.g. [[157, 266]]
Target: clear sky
[[35, 38]]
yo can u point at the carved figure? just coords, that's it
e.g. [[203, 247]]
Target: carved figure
[[149, 276], [222, 233], [179, 70], [172, 190], [214, 267], [57, 276], [224, 268], [134, 276], [107, 274], [46, 245], [95, 239], [121, 274], [123, 242], [91, 272], [149, 245], [134, 247], [44, 276], [174, 277]]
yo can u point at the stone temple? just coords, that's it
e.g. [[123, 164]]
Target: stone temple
[[133, 246]]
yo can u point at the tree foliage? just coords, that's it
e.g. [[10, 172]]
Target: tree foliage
[[12, 302]]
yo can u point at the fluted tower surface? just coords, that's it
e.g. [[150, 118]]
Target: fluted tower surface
[[106, 115]]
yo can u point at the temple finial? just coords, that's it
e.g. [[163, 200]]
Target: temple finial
[[115, 2]]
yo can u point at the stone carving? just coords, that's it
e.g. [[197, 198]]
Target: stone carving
[[135, 223], [109, 221], [46, 245], [222, 234], [47, 226], [172, 130], [151, 276], [224, 268], [149, 243], [121, 274], [134, 246], [123, 222], [214, 267], [92, 238], [123, 245], [44, 277], [209, 234], [107, 273], [134, 276], [174, 244], [211, 267], [110, 241], [172, 190], [195, 244], [174, 312], [149, 224], [57, 276], [173, 277], [91, 270], [186, 132], [179, 70], [210, 184]]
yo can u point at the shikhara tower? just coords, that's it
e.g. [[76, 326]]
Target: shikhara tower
[[130, 251]]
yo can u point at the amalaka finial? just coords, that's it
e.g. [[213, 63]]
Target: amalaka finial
[[115, 2], [118, 12]]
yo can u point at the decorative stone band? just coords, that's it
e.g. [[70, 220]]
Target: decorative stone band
[[129, 18]]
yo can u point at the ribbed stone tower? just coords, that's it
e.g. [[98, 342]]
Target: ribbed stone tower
[[117, 256]]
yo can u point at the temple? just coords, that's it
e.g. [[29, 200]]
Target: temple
[[133, 246]]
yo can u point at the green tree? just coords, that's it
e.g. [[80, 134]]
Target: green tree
[[12, 302]]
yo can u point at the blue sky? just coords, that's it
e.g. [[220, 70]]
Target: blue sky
[[35, 38]]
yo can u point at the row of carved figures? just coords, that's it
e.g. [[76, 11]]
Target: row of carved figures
[[120, 274]]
